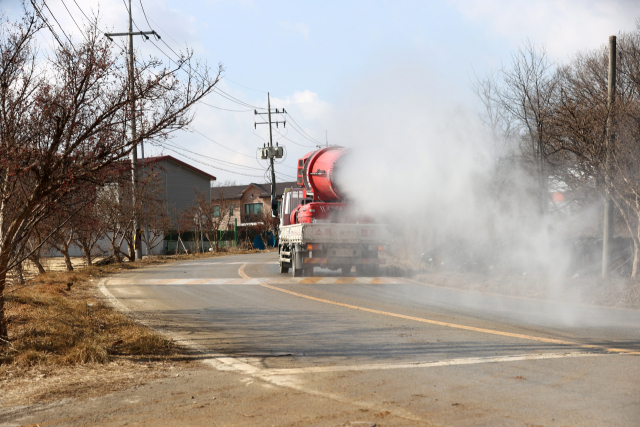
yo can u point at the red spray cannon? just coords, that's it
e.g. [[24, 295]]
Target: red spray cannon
[[317, 172], [322, 198]]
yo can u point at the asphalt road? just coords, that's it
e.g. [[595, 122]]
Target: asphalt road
[[424, 353]]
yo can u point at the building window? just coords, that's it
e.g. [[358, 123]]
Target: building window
[[231, 211], [216, 211], [253, 208]]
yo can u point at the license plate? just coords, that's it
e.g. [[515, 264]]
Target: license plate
[[344, 252]]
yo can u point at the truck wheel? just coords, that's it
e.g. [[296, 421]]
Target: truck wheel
[[362, 270], [374, 270], [283, 267], [297, 272], [345, 270]]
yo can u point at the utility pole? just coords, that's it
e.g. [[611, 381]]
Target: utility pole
[[146, 219], [607, 232], [137, 237], [271, 152]]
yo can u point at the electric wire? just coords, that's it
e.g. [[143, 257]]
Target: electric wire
[[208, 157], [145, 14], [215, 142], [246, 87], [302, 132], [225, 109], [55, 19], [222, 94], [291, 140], [208, 164], [41, 15], [74, 20]]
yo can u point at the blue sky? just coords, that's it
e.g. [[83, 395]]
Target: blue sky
[[326, 61]]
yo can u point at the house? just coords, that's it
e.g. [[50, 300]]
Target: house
[[176, 183], [243, 204], [180, 181]]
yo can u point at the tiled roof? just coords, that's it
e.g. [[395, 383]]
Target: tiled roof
[[236, 191], [157, 159]]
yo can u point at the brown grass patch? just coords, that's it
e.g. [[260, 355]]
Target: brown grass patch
[[57, 319], [51, 325]]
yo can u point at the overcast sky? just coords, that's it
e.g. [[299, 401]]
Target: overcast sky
[[326, 60]]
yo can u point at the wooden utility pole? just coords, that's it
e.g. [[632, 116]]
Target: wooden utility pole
[[137, 236], [607, 232]]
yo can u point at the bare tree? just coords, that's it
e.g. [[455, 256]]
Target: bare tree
[[519, 100], [63, 123]]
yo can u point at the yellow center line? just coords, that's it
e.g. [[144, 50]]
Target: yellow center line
[[447, 324], [310, 280]]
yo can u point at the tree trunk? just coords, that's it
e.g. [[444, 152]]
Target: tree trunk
[[20, 272], [35, 259], [115, 249], [4, 333], [67, 259], [87, 253]]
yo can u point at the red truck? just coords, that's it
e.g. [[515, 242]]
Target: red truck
[[317, 227]]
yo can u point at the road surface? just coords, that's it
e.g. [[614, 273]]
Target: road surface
[[421, 352], [383, 350]]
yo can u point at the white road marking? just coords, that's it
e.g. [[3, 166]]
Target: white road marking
[[259, 281], [449, 362], [227, 263], [110, 298], [291, 378]]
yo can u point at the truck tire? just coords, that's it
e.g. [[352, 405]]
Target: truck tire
[[297, 272], [374, 270], [283, 267], [345, 270], [362, 270]]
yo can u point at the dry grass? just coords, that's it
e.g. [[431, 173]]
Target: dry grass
[[52, 324], [67, 343]]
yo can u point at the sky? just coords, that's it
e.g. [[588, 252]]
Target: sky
[[327, 62]]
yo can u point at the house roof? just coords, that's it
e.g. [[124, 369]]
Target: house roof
[[158, 159], [236, 191]]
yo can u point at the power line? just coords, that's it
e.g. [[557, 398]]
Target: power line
[[246, 87], [41, 15], [145, 14], [74, 20], [55, 19], [291, 140], [303, 132], [215, 142], [207, 157], [225, 109], [210, 165]]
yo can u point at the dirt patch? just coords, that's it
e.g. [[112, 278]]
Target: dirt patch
[[46, 383]]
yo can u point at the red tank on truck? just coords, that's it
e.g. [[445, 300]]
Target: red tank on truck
[[317, 226]]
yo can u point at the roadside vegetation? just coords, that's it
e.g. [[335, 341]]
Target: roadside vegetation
[[59, 318]]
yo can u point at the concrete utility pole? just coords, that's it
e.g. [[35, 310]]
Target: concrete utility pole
[[274, 198], [607, 232], [272, 152], [146, 220], [134, 151]]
